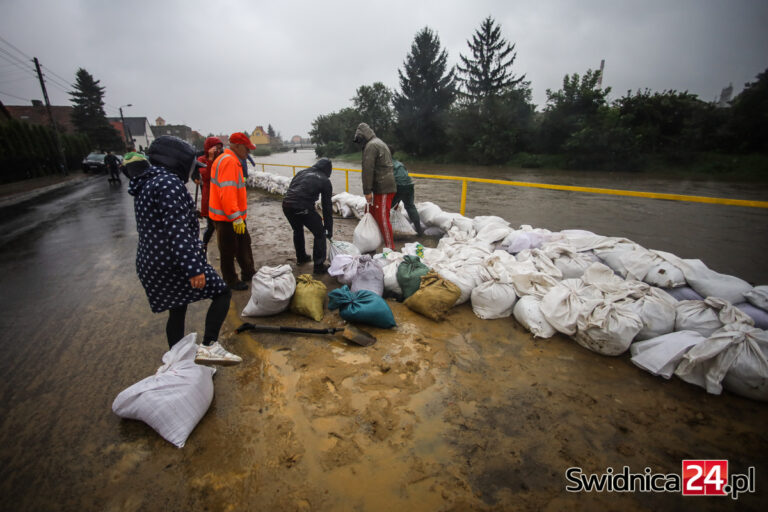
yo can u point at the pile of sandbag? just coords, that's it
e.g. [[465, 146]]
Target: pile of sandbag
[[272, 183]]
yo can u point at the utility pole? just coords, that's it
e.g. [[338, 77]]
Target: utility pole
[[126, 132], [63, 160], [600, 78]]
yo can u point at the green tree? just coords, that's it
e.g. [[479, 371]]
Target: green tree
[[488, 72], [571, 109], [750, 115], [427, 91], [669, 121], [88, 112], [491, 130], [333, 133], [374, 104], [270, 131]]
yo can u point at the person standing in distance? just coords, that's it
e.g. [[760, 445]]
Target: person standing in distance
[[228, 207], [378, 179], [405, 192], [212, 148], [169, 262], [113, 165], [299, 209]]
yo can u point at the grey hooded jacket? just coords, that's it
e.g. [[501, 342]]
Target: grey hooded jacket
[[378, 177]]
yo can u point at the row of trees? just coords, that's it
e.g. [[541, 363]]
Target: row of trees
[[30, 151], [481, 112]]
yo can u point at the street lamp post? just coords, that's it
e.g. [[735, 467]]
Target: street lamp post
[[128, 140]]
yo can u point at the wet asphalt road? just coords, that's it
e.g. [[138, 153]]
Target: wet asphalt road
[[77, 330]]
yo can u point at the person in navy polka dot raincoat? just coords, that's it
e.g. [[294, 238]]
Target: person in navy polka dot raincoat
[[169, 261]]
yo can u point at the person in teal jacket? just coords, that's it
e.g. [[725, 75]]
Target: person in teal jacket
[[405, 193]]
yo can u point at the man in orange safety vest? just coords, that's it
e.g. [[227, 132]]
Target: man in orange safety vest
[[227, 207]]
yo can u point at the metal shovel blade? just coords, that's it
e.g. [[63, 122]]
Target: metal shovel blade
[[358, 336]]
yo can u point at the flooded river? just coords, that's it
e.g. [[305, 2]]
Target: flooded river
[[729, 239]]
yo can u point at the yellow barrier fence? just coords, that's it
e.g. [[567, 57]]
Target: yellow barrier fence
[[590, 190]]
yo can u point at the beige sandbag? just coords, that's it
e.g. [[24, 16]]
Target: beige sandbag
[[309, 298], [434, 297]]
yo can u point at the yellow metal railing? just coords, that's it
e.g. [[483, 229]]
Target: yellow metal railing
[[590, 190]]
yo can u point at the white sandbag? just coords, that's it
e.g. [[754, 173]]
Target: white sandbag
[[758, 297], [661, 355], [571, 264], [493, 232], [568, 302], [344, 268], [684, 293], [389, 261], [427, 212], [527, 311], [400, 223], [493, 299], [665, 275], [175, 398], [707, 282], [542, 262], [708, 315], [463, 224], [657, 310], [271, 291], [733, 357], [433, 257], [444, 220], [337, 247], [367, 236], [525, 238], [481, 221], [759, 316], [369, 276], [608, 329]]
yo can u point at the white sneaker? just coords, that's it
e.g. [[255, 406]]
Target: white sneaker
[[216, 354]]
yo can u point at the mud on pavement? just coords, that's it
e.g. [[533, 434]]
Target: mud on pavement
[[464, 414]]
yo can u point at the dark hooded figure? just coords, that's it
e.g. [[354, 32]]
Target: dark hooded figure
[[169, 259], [299, 209]]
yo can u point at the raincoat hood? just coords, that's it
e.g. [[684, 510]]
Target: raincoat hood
[[324, 165], [211, 142], [176, 155], [364, 133]]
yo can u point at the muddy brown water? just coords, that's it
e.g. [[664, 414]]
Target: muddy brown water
[[463, 414], [729, 239]]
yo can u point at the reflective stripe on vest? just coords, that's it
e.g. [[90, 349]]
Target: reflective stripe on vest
[[231, 217]]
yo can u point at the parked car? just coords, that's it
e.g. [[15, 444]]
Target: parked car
[[94, 162]]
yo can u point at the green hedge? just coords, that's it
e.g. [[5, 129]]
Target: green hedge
[[30, 151]]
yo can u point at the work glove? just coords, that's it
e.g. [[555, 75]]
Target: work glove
[[328, 233], [239, 226]]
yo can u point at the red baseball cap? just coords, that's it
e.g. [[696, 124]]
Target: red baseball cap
[[241, 138]]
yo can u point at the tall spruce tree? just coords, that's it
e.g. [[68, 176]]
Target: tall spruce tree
[[488, 71], [88, 112], [426, 94]]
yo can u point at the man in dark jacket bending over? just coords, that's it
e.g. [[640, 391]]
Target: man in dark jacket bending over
[[299, 209]]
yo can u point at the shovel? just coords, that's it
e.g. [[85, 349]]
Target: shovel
[[349, 332]]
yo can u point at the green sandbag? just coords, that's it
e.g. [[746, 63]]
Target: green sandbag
[[409, 275], [362, 306], [434, 297], [309, 297]]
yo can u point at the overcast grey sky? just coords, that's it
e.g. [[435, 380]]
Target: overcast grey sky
[[224, 66]]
